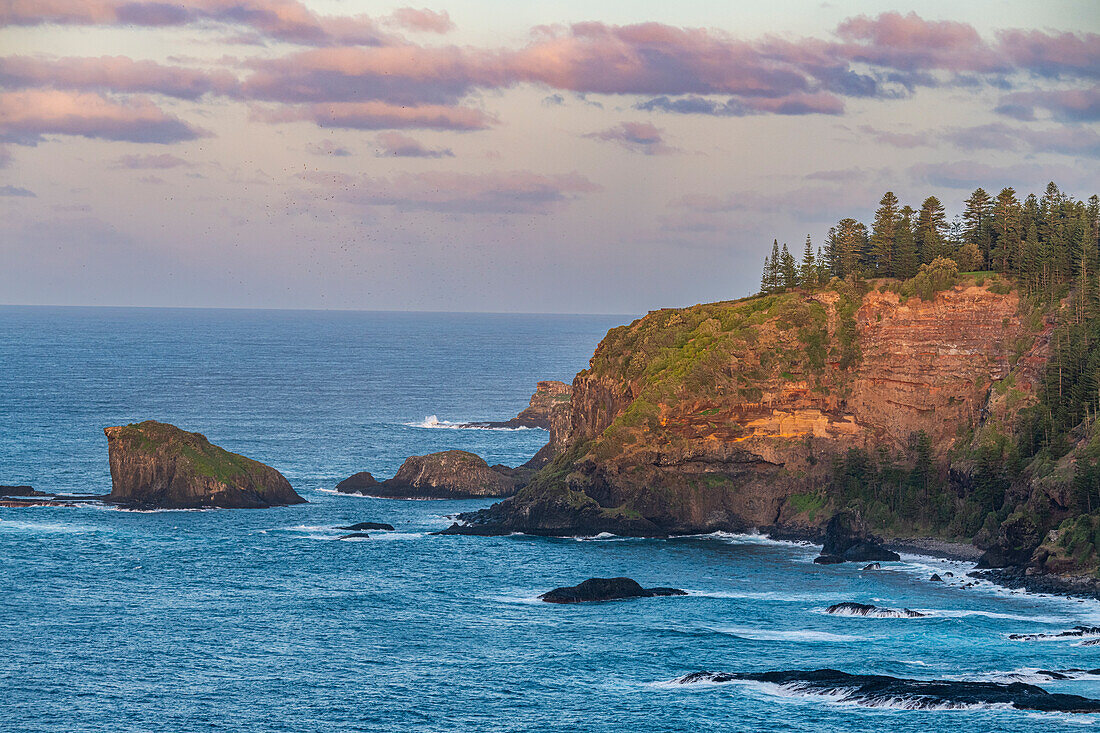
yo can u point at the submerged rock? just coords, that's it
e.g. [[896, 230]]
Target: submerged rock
[[157, 465], [452, 474], [355, 536], [606, 589], [884, 691], [872, 566], [848, 540], [368, 525], [863, 609], [360, 483], [1075, 632]]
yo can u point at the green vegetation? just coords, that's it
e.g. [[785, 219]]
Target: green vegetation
[[204, 457]]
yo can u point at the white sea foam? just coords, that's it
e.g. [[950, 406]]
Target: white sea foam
[[749, 538], [778, 596], [432, 422], [757, 634]]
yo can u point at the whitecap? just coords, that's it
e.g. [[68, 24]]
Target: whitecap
[[794, 635]]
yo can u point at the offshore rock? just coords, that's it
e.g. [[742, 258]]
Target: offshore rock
[[368, 525], [157, 465], [863, 609], [606, 589], [453, 474], [361, 483]]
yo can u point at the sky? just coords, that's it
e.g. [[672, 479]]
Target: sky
[[493, 155]]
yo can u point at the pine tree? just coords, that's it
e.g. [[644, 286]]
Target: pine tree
[[846, 246], [976, 222], [884, 236], [1006, 225], [765, 280], [931, 225], [775, 273], [788, 269], [807, 270], [905, 245], [823, 271]]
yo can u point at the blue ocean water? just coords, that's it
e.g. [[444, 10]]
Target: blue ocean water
[[263, 620]]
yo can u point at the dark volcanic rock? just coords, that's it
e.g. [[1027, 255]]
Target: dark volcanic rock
[[848, 540], [883, 691], [936, 578], [156, 465], [360, 483], [1016, 541], [606, 589], [872, 566], [863, 609], [20, 491], [355, 536], [367, 525], [550, 399]]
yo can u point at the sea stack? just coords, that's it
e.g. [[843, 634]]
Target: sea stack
[[452, 474], [157, 465]]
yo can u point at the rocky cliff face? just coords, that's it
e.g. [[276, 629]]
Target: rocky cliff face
[[157, 465], [730, 415]]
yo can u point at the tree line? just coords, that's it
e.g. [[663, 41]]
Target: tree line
[[1044, 242]]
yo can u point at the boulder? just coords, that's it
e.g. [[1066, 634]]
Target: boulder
[[606, 589], [20, 491], [157, 465], [848, 540]]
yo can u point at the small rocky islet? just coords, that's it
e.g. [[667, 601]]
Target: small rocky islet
[[606, 589]]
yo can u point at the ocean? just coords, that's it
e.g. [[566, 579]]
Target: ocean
[[264, 620]]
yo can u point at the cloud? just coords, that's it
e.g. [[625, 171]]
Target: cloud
[[151, 162], [16, 191], [284, 20], [794, 104], [394, 144], [910, 43], [1053, 55], [843, 175], [637, 137], [379, 116], [327, 147], [516, 192], [28, 115], [112, 73], [1073, 105], [553, 100], [424, 20], [5, 156]]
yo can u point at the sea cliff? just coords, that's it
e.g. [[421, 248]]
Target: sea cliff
[[777, 411]]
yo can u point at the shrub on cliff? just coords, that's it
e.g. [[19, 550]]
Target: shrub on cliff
[[940, 274]]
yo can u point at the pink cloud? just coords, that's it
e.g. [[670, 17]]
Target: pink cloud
[[113, 73], [327, 147], [26, 116], [637, 137], [908, 42], [1046, 54], [394, 144], [424, 20], [1073, 105], [378, 116], [286, 20], [516, 192]]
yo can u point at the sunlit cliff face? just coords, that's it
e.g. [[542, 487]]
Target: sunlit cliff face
[[500, 156]]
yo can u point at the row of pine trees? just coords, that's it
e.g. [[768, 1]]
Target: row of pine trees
[[1043, 242]]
